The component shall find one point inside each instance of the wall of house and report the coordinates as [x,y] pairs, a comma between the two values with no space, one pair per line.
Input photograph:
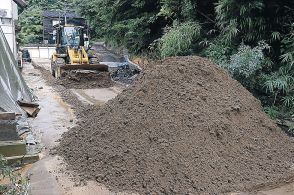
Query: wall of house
[48,30]
[8,16]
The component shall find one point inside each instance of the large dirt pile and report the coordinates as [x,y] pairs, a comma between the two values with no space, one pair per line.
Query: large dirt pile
[184,127]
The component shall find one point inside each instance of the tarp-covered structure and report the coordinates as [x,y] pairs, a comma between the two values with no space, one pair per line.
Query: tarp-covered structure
[12,84]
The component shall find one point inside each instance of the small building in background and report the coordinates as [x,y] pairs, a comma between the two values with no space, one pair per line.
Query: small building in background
[8,18]
[52,18]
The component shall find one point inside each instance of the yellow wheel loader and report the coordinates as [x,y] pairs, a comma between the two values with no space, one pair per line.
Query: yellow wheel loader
[70,51]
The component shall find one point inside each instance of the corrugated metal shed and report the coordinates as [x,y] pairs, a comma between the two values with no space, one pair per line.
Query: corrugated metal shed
[56,14]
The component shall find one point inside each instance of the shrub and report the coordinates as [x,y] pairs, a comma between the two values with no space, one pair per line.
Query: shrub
[219,52]
[17,185]
[272,111]
[178,40]
[280,85]
[244,65]
[247,61]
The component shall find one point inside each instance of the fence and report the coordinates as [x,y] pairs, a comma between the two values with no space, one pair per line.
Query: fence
[40,52]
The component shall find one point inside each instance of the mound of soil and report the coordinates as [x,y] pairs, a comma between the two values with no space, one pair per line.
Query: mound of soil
[184,127]
[85,80]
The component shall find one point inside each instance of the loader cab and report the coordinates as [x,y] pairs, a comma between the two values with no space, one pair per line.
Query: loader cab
[70,36]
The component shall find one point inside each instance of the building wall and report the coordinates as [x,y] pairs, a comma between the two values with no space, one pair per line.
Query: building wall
[8,16]
[48,30]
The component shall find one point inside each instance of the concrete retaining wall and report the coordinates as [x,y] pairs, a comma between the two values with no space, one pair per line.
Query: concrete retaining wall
[41,52]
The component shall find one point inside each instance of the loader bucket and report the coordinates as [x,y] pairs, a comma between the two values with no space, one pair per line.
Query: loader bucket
[100,67]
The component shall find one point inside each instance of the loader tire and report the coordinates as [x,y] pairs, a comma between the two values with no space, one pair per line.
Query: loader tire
[52,68]
[94,60]
[56,67]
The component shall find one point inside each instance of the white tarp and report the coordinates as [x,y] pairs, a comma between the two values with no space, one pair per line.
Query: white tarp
[12,84]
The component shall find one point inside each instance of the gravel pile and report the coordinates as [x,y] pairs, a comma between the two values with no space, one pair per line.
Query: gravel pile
[184,127]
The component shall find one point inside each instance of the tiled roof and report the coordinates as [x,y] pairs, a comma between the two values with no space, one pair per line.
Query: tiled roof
[55,14]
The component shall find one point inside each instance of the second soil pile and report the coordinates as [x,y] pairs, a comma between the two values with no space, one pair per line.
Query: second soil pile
[184,127]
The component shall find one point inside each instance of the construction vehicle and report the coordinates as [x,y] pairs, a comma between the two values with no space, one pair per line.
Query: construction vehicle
[71,53]
[26,57]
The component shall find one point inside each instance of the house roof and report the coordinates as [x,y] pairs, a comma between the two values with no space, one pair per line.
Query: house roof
[21,3]
[56,14]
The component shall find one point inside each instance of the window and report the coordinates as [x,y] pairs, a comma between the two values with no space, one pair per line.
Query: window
[71,36]
[6,21]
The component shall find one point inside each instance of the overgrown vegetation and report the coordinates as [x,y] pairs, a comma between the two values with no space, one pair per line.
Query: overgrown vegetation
[17,185]
[31,26]
[252,39]
[179,39]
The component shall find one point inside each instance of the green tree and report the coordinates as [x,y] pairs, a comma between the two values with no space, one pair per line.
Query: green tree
[31,19]
[133,24]
[31,25]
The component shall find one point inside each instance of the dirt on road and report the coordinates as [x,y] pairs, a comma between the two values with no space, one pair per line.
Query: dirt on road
[184,127]
[77,79]
[85,80]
